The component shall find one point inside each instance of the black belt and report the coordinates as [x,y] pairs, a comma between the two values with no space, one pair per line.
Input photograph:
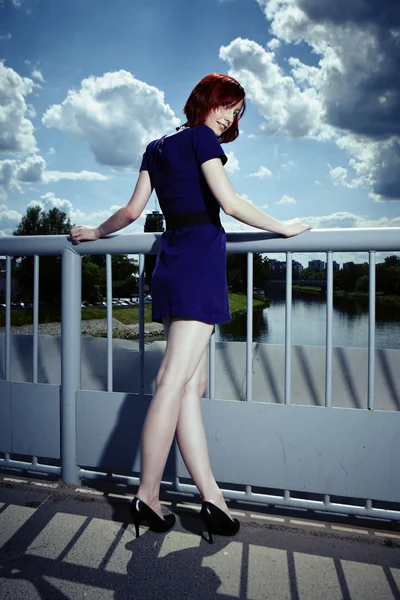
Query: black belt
[201,217]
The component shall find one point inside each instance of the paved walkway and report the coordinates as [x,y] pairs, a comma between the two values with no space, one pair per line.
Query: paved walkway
[59,543]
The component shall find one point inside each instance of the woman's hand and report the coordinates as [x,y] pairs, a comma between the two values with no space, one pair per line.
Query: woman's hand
[82,233]
[294,227]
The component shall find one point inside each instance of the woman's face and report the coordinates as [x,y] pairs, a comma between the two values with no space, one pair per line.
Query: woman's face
[221,118]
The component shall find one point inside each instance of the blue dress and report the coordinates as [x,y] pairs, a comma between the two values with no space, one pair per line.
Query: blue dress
[189,279]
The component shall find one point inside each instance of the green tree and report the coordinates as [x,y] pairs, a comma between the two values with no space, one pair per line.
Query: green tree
[388,275]
[93,279]
[236,271]
[124,277]
[37,221]
[346,279]
[362,284]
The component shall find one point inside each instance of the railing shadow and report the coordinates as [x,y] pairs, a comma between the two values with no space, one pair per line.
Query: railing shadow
[228,365]
[308,376]
[269,375]
[349,378]
[388,375]
[50,556]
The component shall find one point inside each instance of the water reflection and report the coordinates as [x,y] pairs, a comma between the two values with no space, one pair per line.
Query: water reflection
[236,329]
[350,322]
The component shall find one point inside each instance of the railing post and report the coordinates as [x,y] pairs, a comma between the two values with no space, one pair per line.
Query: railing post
[249,329]
[8,319]
[141,321]
[71,264]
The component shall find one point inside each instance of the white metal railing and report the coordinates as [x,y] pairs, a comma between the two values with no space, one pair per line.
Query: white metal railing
[329,241]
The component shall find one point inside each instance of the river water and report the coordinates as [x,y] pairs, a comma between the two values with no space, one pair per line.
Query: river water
[350,322]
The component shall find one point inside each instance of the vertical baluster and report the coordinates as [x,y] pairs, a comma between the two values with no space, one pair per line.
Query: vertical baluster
[35,317]
[288,329]
[249,330]
[329,316]
[211,367]
[8,318]
[110,383]
[371,332]
[141,321]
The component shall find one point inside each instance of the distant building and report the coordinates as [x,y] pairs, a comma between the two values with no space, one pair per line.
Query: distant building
[348,265]
[318,265]
[336,266]
[297,268]
[277,266]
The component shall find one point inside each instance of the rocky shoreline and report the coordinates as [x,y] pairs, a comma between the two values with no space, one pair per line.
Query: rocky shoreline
[93,328]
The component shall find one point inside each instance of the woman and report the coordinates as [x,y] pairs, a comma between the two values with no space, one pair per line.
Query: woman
[189,285]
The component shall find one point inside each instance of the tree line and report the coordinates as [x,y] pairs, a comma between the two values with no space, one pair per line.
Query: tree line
[37,221]
[355,277]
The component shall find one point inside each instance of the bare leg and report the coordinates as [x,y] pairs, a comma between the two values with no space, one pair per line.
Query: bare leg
[187,341]
[192,440]
[193,443]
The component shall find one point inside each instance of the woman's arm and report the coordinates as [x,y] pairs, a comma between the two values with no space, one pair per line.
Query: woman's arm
[242,210]
[120,219]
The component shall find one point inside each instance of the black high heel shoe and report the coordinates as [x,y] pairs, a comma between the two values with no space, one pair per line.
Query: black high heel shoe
[218,522]
[141,512]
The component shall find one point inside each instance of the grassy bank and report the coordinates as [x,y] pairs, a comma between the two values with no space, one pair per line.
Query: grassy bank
[127,316]
[309,289]
[380,297]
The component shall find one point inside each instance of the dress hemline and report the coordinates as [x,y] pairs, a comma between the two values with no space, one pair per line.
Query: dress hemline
[187,313]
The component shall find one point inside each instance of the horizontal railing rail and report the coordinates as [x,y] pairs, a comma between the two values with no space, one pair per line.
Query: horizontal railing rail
[316,240]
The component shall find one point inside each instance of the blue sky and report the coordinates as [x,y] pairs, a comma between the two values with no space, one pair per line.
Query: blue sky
[86,84]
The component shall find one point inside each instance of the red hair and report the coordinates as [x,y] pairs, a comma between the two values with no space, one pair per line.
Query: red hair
[210,93]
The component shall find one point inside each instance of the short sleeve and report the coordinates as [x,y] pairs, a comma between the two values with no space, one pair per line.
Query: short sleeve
[206,145]
[145,166]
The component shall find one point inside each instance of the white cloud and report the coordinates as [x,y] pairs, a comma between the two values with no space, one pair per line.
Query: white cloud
[274,44]
[16,131]
[50,200]
[14,172]
[236,226]
[286,200]
[37,74]
[116,114]
[5,37]
[9,219]
[262,173]
[338,176]
[232,166]
[349,220]
[287,165]
[288,108]
[354,80]
[51,176]
[10,214]
[51,150]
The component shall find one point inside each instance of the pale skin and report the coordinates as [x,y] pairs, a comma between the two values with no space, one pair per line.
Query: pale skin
[181,380]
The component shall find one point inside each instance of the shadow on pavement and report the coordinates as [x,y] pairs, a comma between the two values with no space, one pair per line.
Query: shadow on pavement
[60,547]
